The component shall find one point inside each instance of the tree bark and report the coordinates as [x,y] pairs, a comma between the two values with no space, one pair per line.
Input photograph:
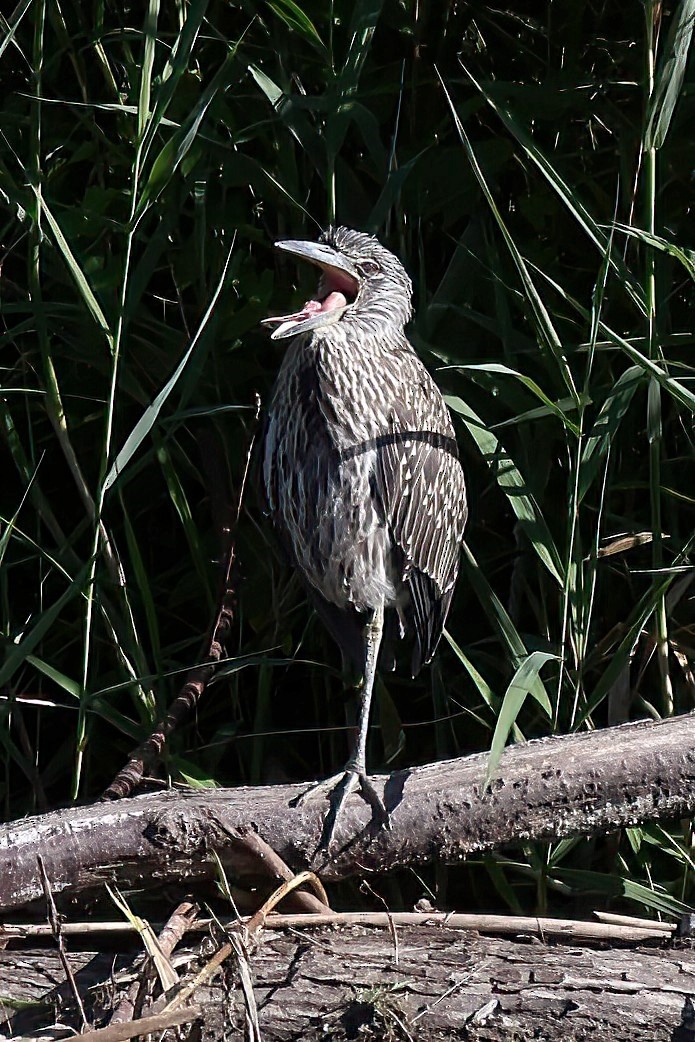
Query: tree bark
[418,983]
[546,789]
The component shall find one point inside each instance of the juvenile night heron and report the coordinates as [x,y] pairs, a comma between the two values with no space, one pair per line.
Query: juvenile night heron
[361,469]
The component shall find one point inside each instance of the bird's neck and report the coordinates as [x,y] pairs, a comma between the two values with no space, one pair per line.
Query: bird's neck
[357,343]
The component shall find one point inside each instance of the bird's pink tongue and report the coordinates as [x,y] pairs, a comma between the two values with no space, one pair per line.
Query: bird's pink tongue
[313,307]
[334,300]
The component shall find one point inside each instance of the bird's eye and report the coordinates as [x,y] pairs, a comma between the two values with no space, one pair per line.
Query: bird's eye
[368,267]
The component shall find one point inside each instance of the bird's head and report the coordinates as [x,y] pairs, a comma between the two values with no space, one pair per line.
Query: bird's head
[361,283]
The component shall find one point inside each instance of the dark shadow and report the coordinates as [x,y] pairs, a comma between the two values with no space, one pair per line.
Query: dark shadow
[57,1005]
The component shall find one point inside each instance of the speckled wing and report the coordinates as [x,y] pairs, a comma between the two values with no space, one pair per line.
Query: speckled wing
[421,486]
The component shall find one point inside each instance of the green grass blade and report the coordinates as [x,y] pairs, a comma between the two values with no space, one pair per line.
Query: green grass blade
[669,81]
[17,653]
[512,483]
[583,881]
[545,329]
[498,615]
[12,24]
[606,426]
[72,687]
[83,286]
[568,196]
[527,381]
[148,419]
[296,20]
[523,683]
[685,256]
[150,32]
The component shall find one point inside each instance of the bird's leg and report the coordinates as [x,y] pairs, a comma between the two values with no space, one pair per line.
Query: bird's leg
[354,775]
[357,763]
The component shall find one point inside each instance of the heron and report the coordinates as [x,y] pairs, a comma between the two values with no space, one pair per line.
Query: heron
[361,472]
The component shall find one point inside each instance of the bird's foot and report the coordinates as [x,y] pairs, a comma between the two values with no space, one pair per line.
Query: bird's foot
[337,789]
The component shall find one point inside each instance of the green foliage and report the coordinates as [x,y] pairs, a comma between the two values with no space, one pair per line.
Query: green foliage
[534,173]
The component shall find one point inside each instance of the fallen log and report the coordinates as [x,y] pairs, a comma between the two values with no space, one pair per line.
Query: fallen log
[546,789]
[412,983]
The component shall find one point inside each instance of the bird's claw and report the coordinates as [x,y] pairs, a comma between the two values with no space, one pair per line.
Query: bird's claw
[337,790]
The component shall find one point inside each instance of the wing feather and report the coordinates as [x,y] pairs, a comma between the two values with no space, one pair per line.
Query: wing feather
[421,486]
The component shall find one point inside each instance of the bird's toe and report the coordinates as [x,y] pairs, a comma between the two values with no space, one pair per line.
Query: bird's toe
[337,790]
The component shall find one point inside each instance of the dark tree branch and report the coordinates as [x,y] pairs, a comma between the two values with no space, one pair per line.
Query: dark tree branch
[547,789]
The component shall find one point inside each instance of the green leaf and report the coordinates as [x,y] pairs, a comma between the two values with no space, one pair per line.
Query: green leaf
[514,486]
[497,613]
[13,23]
[150,33]
[669,80]
[481,684]
[686,257]
[192,774]
[73,687]
[656,899]
[606,426]
[179,144]
[363,21]
[498,367]
[523,683]
[294,18]
[148,419]
[76,271]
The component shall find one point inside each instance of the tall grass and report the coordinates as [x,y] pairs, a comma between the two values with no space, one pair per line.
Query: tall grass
[535,178]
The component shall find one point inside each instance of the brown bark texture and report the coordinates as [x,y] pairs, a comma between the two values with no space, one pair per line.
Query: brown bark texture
[418,983]
[545,789]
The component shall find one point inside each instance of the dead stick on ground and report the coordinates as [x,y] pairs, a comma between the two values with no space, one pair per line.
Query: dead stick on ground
[627,929]
[54,921]
[537,926]
[149,752]
[173,930]
[144,1026]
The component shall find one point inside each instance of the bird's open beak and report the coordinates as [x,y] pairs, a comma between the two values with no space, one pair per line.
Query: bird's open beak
[338,288]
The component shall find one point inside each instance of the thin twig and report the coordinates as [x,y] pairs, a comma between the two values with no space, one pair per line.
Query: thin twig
[55,924]
[627,929]
[572,929]
[366,888]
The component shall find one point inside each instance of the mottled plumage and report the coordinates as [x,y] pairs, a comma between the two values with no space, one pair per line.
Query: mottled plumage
[360,462]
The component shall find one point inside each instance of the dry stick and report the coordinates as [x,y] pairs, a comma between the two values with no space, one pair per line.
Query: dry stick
[268,863]
[617,928]
[177,925]
[633,920]
[55,924]
[570,929]
[144,1026]
[149,752]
